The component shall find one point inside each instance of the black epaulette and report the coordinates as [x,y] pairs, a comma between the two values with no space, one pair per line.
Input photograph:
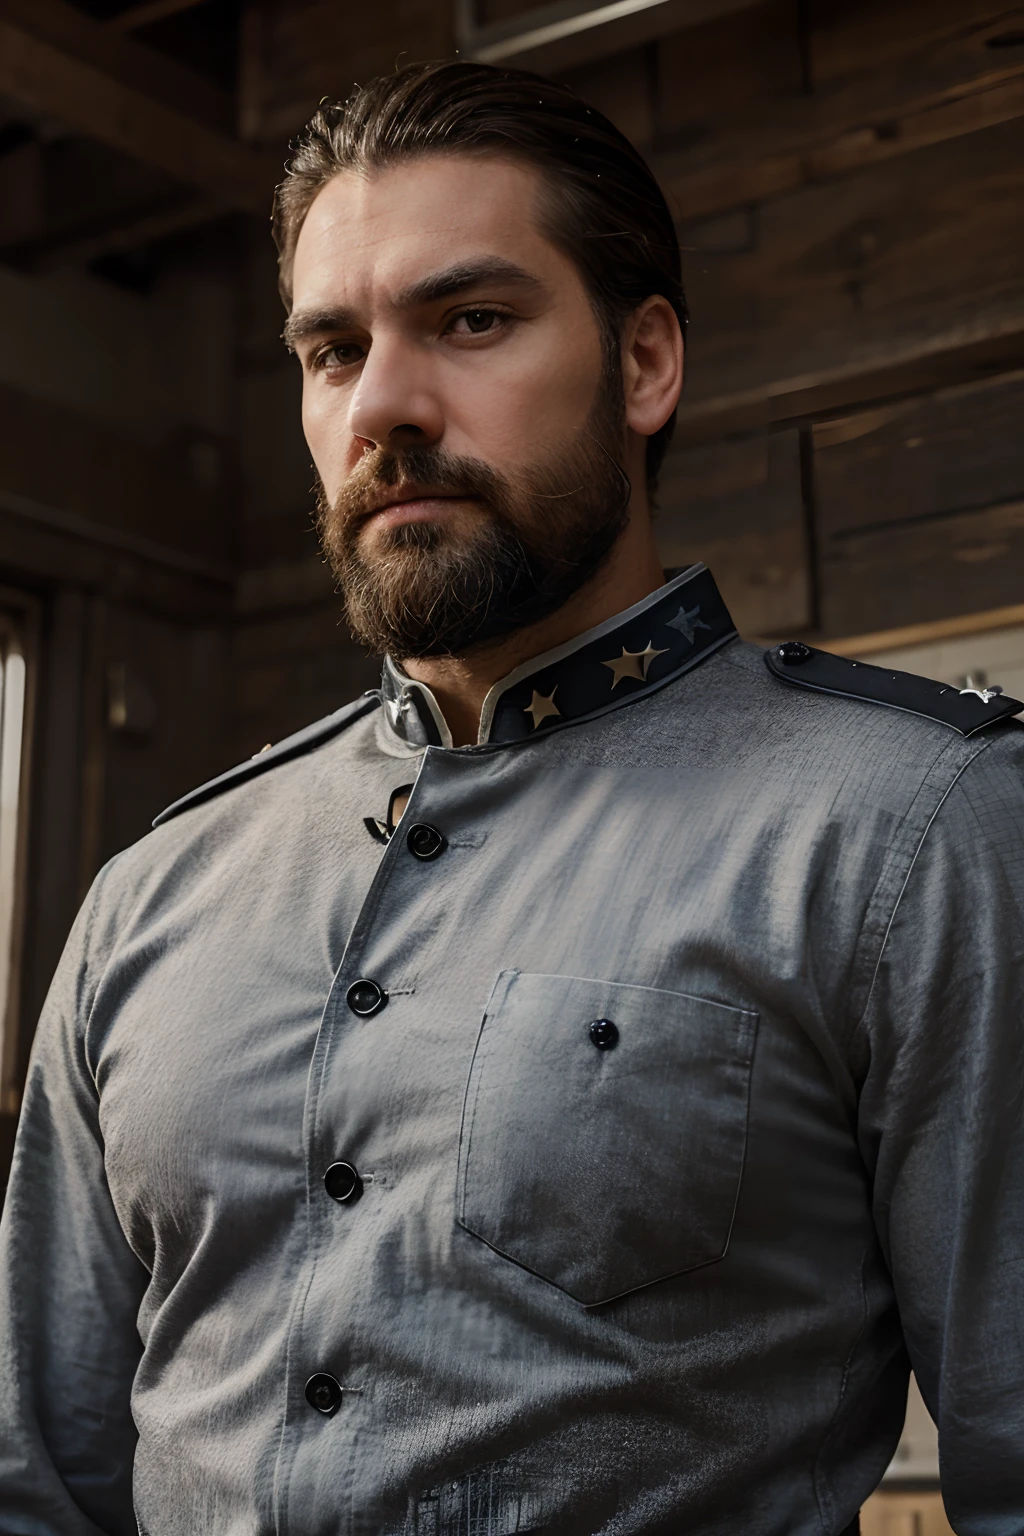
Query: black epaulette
[966,710]
[271,756]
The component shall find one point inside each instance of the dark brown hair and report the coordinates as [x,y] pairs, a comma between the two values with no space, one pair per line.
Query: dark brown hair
[607,212]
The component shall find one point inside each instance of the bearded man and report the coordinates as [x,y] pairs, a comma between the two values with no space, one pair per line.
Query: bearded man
[559,1091]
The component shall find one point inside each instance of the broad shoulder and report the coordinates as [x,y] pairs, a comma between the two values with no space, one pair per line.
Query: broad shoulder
[859,722]
[299,744]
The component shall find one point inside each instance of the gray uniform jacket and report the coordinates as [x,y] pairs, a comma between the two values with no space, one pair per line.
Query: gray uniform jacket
[587,1158]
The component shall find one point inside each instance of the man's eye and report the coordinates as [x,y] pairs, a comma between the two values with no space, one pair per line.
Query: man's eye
[478,321]
[341,355]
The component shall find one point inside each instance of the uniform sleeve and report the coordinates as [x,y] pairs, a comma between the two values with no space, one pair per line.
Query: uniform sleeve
[70,1290]
[941,1122]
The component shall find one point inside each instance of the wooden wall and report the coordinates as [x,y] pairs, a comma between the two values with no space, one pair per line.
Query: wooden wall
[117,513]
[848,179]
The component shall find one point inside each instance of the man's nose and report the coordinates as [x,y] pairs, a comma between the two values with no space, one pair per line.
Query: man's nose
[393,404]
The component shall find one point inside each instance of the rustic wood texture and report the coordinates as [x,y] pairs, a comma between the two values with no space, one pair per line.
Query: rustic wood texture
[890,1513]
[920,507]
[901,262]
[764,106]
[298,51]
[54,61]
[181,739]
[738,506]
[175,494]
[292,667]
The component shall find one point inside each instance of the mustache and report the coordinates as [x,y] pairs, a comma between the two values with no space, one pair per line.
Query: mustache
[430,467]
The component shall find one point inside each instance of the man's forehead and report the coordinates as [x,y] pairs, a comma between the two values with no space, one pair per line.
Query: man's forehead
[392,228]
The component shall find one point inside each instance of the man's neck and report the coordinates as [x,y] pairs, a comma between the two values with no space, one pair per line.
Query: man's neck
[460,684]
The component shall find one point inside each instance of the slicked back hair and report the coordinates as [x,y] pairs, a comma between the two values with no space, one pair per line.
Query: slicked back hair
[604,209]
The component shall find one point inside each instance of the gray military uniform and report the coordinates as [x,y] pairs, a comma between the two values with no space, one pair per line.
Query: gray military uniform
[665,1066]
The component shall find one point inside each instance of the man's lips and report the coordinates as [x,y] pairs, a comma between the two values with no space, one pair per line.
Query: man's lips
[414,505]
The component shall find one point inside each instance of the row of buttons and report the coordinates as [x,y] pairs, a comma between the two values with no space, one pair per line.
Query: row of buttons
[366,997]
[342,1181]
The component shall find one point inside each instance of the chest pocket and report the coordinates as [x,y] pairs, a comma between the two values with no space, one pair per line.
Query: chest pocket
[604,1131]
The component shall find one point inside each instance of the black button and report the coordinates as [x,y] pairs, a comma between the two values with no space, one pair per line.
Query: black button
[323,1393]
[342,1183]
[793,652]
[604,1034]
[425,842]
[366,997]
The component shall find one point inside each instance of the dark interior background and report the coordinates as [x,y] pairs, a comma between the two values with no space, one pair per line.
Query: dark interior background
[847,177]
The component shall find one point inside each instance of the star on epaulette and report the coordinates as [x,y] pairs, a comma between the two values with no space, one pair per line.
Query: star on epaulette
[967,710]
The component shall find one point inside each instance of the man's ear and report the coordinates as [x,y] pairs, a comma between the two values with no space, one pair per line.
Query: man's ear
[652,365]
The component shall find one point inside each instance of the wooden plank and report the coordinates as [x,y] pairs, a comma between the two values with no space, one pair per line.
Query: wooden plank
[931,633]
[568,33]
[844,286]
[296,52]
[757,140]
[73,32]
[183,671]
[51,456]
[148,12]
[35,71]
[620,88]
[274,698]
[879,578]
[128,235]
[959,450]
[888,1513]
[714,79]
[738,506]
[920,507]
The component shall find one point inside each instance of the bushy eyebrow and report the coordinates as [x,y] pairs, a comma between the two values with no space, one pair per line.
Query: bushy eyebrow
[446,284]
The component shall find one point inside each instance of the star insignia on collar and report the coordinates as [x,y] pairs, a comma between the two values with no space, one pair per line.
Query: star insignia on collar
[632,664]
[687,623]
[541,708]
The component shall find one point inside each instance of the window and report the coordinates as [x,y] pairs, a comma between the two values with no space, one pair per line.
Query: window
[16,633]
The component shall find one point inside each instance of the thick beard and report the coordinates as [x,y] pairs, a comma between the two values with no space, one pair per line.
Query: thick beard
[429,591]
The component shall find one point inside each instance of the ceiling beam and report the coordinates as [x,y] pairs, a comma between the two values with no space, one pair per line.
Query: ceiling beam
[61,81]
[568,33]
[150,11]
[93,42]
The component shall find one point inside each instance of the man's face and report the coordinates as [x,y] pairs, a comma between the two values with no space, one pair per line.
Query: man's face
[464,419]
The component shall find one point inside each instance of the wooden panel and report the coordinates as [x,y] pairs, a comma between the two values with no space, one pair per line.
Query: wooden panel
[623,89]
[60,80]
[54,456]
[877,579]
[959,450]
[711,73]
[905,261]
[68,28]
[39,552]
[738,507]
[289,672]
[880,91]
[853,38]
[904,1514]
[920,507]
[181,735]
[298,51]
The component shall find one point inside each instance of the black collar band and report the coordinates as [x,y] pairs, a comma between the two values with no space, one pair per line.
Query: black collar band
[623,659]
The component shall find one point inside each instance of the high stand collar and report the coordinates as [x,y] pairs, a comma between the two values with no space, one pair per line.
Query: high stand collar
[623,659]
